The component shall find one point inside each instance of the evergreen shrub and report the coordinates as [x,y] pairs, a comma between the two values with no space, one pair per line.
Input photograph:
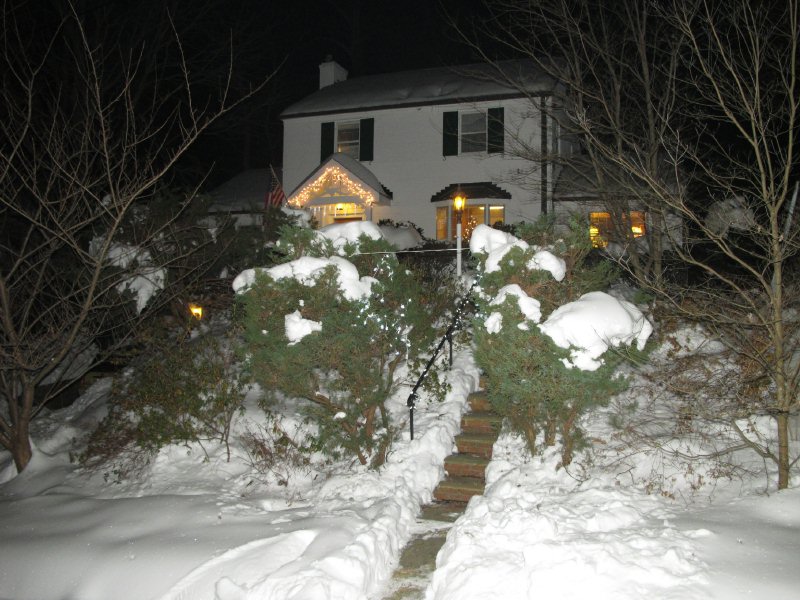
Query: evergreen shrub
[345,371]
[189,391]
[529,383]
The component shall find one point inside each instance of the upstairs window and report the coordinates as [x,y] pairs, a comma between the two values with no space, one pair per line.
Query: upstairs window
[473,131]
[354,138]
[348,138]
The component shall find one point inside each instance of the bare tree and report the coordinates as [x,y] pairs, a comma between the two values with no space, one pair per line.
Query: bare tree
[80,160]
[681,106]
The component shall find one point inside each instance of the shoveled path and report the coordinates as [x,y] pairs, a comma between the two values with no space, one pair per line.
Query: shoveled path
[418,560]
[465,478]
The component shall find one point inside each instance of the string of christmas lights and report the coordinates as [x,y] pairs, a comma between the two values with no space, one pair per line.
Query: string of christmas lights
[332,176]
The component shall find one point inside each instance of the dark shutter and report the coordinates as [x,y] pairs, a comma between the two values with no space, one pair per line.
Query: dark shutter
[450,133]
[326,141]
[366,140]
[495,130]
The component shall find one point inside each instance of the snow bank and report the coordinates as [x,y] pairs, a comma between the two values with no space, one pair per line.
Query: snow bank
[538,532]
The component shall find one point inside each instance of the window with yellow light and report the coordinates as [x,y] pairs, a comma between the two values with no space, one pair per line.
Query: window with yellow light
[602,230]
[472,215]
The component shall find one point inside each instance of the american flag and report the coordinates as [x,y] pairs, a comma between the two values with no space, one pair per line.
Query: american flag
[275,196]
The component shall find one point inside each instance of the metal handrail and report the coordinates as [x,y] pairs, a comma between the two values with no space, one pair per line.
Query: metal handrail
[411,403]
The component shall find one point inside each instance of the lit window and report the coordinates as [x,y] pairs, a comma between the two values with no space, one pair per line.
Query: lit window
[497,215]
[341,212]
[472,216]
[473,132]
[348,138]
[602,228]
[441,222]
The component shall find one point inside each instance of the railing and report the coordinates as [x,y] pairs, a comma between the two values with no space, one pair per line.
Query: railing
[448,337]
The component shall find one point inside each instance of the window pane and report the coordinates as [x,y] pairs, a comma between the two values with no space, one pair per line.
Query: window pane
[441,223]
[638,227]
[473,132]
[497,215]
[347,138]
[473,122]
[348,134]
[599,229]
[473,216]
[602,230]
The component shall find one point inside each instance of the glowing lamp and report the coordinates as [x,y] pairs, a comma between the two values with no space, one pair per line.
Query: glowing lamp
[196,310]
[458,206]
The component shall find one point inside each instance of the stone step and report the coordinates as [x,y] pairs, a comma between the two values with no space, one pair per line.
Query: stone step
[479,401]
[479,444]
[458,489]
[465,465]
[481,422]
[443,512]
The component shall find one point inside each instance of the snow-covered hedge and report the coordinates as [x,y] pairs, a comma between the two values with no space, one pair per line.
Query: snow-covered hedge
[544,329]
[332,325]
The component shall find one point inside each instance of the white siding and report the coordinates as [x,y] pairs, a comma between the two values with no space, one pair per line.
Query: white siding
[408,158]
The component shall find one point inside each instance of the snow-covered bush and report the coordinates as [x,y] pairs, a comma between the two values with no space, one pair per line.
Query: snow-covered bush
[238,246]
[187,392]
[543,377]
[317,330]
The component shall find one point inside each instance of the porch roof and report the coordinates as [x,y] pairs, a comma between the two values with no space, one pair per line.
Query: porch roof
[477,189]
[340,178]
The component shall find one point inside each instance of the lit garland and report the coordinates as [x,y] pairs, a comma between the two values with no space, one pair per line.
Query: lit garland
[333,175]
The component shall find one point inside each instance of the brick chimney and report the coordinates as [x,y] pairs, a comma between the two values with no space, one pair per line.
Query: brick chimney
[331,72]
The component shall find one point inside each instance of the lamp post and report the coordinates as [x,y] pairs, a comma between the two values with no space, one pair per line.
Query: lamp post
[458,206]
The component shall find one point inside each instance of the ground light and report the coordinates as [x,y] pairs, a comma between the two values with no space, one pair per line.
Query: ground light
[196,310]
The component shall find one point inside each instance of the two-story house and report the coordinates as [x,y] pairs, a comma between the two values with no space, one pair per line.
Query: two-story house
[402,145]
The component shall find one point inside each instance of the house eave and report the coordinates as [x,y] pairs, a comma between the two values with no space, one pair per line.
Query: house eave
[416,104]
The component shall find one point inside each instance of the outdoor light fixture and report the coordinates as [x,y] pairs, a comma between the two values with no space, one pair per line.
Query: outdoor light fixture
[458,206]
[196,310]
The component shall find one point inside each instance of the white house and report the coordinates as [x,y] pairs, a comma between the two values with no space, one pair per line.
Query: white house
[401,146]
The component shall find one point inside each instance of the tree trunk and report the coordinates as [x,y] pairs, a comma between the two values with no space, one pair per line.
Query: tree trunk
[783,451]
[20,441]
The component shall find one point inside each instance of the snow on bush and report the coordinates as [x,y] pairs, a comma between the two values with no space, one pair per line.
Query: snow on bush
[317,330]
[144,278]
[593,324]
[543,377]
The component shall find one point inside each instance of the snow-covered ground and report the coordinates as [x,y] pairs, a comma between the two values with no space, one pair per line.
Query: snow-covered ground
[622,522]
[197,527]
[205,528]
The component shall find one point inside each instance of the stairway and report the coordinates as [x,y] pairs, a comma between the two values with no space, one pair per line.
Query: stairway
[466,469]
[465,478]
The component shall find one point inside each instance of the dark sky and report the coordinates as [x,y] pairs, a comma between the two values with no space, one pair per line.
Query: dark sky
[364,36]
[286,38]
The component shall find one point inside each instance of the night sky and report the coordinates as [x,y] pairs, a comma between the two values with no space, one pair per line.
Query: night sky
[286,39]
[364,36]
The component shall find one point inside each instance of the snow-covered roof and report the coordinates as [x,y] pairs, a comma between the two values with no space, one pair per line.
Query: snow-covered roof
[244,192]
[443,85]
